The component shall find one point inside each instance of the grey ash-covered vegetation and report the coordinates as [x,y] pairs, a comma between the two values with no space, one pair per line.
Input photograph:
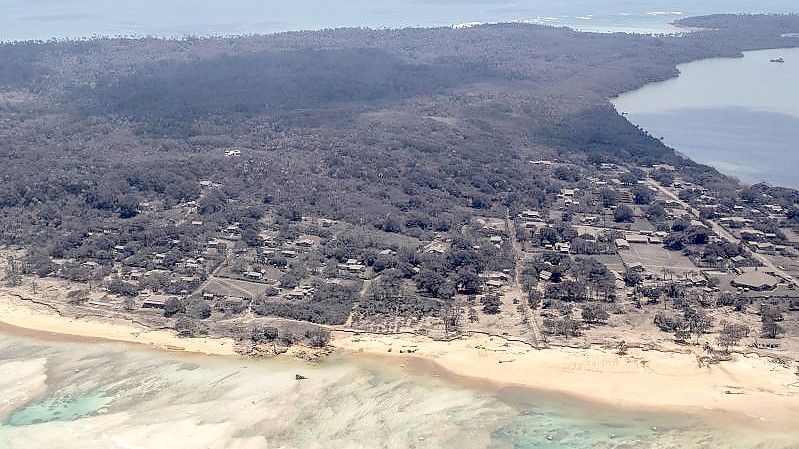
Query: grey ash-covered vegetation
[192,160]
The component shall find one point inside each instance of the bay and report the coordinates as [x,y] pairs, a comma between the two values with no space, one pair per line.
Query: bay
[739,115]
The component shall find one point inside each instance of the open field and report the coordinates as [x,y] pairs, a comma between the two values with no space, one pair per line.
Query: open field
[656,259]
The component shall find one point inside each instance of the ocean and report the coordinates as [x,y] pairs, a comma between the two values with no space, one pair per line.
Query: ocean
[69,394]
[48,19]
[739,115]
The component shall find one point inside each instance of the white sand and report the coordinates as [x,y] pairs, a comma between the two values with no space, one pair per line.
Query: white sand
[28,315]
[750,386]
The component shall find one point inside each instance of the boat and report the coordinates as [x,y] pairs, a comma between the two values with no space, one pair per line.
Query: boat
[777,60]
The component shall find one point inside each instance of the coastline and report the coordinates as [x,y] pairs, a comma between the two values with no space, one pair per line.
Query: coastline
[35,317]
[749,387]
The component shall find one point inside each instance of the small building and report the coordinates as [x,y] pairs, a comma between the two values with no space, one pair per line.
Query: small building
[254,275]
[756,280]
[622,244]
[304,243]
[436,247]
[697,279]
[637,238]
[530,215]
[590,219]
[153,304]
[352,266]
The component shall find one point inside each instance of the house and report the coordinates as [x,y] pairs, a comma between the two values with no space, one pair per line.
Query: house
[756,280]
[352,266]
[752,234]
[734,222]
[153,304]
[495,276]
[697,279]
[436,247]
[637,238]
[545,275]
[590,219]
[563,247]
[232,153]
[622,244]
[304,243]
[530,215]
[254,275]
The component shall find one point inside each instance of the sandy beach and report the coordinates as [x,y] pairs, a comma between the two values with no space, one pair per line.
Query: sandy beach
[749,386]
[32,316]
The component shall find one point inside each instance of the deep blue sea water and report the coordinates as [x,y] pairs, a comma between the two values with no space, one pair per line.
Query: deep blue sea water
[45,19]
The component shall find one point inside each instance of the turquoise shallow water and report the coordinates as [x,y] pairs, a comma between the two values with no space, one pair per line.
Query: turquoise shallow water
[44,19]
[72,395]
[59,408]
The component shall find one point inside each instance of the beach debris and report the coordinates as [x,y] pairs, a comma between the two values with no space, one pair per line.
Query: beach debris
[549,437]
[299,377]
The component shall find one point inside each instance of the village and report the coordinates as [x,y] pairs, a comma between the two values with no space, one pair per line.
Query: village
[619,254]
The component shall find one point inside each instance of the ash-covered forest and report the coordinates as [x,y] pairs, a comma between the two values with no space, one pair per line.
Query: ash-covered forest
[121,155]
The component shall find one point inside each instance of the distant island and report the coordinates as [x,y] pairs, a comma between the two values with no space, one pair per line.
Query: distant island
[444,193]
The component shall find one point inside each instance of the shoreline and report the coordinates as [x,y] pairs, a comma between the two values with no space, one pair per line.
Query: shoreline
[30,316]
[633,106]
[750,387]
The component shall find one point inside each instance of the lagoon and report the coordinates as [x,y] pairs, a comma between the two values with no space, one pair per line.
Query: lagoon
[739,115]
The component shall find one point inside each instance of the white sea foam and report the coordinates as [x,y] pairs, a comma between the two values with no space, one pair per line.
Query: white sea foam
[467,25]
